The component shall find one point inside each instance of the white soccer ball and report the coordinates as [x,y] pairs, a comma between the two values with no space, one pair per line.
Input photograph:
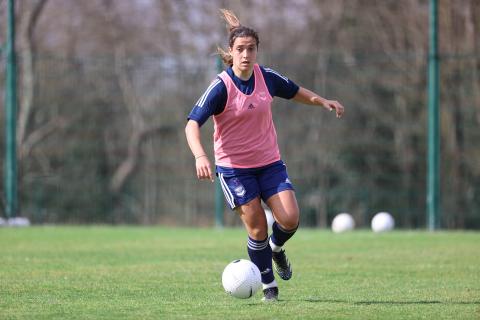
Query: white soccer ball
[241,279]
[18,222]
[382,221]
[343,222]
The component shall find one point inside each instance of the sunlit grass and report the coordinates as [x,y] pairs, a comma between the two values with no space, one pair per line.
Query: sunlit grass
[161,273]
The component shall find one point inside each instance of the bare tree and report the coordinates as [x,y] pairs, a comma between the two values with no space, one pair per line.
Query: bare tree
[30,15]
[106,86]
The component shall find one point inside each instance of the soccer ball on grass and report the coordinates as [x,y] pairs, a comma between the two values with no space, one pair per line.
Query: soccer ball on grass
[241,279]
[343,222]
[382,222]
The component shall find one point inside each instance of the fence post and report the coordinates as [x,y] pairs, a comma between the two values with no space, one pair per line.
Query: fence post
[433,178]
[10,116]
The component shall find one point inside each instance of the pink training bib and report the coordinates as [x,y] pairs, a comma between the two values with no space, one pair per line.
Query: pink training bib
[245,136]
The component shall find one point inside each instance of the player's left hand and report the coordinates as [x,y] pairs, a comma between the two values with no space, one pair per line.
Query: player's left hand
[334,105]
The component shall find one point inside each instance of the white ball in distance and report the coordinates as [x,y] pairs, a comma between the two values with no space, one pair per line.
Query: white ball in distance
[270,218]
[343,222]
[382,222]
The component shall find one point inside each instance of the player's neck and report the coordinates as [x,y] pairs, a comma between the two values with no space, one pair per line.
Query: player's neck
[242,74]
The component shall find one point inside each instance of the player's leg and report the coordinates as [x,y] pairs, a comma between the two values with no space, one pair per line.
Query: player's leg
[259,250]
[253,217]
[242,192]
[285,210]
[278,193]
[286,213]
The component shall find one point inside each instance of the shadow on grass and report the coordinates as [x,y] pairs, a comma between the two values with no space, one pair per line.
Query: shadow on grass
[386,302]
[367,303]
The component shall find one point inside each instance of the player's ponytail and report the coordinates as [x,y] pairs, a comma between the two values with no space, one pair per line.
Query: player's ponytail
[236,30]
[231,19]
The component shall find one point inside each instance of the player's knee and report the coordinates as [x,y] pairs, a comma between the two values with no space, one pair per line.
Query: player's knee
[258,232]
[291,220]
[291,225]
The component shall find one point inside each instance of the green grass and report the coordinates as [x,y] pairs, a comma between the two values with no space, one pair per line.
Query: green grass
[160,273]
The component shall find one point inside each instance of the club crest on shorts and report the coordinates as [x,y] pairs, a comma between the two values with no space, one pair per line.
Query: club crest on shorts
[238,187]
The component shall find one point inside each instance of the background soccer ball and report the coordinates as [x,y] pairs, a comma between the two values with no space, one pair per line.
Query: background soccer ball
[270,218]
[343,222]
[382,221]
[241,279]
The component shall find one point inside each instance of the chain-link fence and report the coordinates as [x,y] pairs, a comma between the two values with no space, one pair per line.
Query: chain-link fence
[105,142]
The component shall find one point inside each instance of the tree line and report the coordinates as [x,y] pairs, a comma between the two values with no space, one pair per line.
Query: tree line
[105,87]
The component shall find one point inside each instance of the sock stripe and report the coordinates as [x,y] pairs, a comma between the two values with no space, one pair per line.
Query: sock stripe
[257,245]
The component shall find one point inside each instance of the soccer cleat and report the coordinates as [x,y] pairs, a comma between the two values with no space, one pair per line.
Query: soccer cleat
[282,265]
[270,294]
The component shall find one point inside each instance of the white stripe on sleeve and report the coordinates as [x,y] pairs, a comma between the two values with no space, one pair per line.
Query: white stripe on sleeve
[202,99]
[276,73]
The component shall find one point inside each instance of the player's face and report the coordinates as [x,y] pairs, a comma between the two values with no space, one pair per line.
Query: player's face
[244,53]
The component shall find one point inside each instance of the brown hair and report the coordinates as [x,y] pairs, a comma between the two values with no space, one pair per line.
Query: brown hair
[236,30]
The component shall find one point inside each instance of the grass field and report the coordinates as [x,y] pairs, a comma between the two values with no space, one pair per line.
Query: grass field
[160,273]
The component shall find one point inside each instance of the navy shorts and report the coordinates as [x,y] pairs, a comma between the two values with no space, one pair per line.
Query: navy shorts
[240,186]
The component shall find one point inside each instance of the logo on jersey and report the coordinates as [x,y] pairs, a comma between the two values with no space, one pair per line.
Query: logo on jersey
[262,95]
[238,188]
[287,181]
[251,106]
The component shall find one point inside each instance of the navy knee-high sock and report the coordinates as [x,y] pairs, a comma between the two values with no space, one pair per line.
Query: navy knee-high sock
[280,236]
[260,253]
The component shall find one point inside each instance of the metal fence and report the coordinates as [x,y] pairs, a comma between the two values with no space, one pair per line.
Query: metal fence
[105,139]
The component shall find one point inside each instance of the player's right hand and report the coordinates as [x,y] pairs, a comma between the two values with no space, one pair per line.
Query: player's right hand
[204,171]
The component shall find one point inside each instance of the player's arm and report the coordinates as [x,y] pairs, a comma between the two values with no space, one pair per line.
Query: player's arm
[280,86]
[212,102]
[306,96]
[202,164]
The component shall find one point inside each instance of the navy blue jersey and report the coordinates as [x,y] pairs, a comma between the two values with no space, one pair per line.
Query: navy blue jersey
[213,101]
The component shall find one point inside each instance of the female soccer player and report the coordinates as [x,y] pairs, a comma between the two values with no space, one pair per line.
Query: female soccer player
[247,156]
